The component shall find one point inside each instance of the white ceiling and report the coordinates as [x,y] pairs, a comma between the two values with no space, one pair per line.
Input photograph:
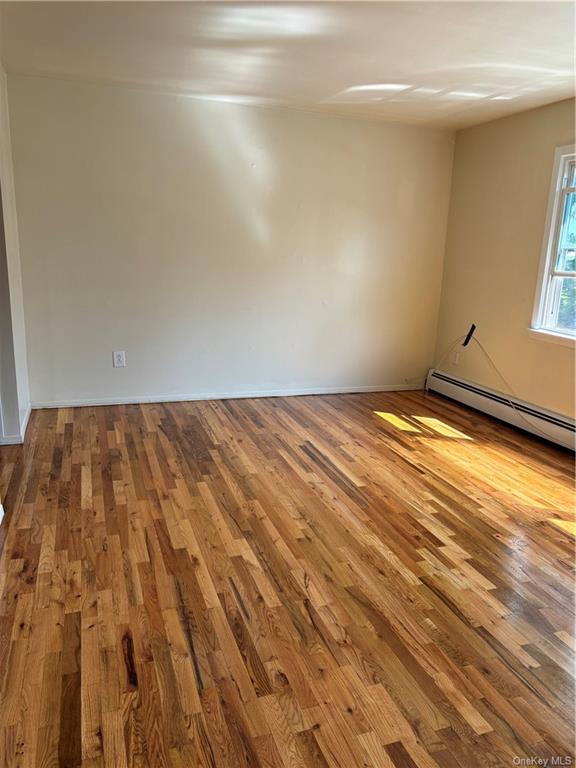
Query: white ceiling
[439,63]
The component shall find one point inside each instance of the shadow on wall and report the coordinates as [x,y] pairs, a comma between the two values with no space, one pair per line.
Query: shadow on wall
[225,248]
[340,249]
[245,262]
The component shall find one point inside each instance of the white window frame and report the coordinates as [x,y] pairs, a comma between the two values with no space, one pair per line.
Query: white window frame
[547,271]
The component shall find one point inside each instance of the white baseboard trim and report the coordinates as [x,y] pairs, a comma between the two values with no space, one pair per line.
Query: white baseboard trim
[24,420]
[18,439]
[141,399]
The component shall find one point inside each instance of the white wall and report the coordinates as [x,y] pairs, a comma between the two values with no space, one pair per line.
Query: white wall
[14,386]
[226,249]
[500,188]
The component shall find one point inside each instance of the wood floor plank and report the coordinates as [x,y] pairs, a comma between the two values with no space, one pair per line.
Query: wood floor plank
[377,580]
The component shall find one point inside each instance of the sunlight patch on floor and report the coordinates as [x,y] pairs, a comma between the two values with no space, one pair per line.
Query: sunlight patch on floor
[397,422]
[566,525]
[441,427]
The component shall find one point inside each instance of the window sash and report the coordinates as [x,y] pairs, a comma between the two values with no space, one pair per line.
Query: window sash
[551,279]
[553,305]
[557,246]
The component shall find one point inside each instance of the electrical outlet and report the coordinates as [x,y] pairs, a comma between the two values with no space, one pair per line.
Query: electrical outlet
[456,358]
[119,359]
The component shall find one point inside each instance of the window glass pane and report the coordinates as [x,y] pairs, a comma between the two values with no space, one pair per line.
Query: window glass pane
[562,305]
[566,261]
[570,177]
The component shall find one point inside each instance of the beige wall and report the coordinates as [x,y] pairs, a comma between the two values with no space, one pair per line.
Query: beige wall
[501,182]
[226,249]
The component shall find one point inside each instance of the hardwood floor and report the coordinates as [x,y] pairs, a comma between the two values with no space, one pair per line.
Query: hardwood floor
[359,580]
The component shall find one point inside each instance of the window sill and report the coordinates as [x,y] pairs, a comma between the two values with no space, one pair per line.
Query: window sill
[555,338]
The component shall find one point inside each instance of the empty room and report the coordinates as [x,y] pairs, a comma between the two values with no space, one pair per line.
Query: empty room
[287,384]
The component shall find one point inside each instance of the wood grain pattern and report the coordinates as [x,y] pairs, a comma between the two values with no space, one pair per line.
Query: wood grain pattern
[359,580]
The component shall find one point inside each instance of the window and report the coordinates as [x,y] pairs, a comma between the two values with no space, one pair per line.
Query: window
[555,310]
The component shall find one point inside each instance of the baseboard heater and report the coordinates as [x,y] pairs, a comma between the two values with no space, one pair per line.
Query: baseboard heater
[557,428]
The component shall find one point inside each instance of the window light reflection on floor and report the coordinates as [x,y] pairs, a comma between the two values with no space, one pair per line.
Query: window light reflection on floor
[436,425]
[565,525]
[441,427]
[397,422]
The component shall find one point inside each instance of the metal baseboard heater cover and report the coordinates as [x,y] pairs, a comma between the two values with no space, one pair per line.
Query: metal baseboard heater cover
[557,428]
